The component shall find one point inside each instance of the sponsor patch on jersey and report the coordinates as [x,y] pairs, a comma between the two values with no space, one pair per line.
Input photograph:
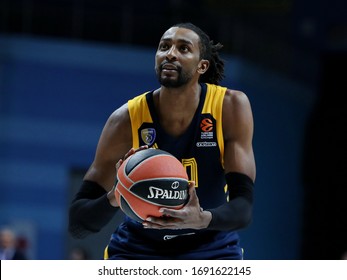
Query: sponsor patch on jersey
[148,136]
[206,144]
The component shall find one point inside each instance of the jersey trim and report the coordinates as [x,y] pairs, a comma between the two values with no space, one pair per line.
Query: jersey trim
[214,106]
[138,111]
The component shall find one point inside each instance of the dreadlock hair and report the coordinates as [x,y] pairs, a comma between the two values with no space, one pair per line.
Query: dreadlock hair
[208,51]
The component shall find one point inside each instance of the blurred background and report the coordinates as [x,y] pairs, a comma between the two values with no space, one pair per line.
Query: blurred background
[65,65]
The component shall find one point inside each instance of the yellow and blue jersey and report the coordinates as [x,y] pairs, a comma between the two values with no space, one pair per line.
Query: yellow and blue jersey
[201,150]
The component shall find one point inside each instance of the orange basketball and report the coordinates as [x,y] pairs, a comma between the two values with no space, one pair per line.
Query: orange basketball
[148,180]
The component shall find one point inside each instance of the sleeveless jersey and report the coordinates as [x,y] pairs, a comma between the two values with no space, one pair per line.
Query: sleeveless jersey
[200,149]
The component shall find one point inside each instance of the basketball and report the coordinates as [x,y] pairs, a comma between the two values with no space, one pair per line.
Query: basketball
[149,180]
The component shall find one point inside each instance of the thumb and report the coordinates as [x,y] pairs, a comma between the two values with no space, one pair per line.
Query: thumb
[193,198]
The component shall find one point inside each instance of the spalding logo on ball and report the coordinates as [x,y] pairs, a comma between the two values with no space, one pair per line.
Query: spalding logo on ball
[149,180]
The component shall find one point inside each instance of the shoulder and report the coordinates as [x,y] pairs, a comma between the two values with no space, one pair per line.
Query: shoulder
[139,99]
[119,116]
[236,103]
[117,128]
[236,99]
[231,97]
[237,112]
[120,113]
[120,119]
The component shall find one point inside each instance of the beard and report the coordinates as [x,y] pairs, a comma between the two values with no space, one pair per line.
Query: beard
[169,82]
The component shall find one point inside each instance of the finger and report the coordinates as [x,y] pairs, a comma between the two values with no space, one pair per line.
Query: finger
[179,213]
[160,223]
[133,151]
[148,225]
[118,164]
[144,147]
[172,213]
[192,191]
[129,153]
[193,198]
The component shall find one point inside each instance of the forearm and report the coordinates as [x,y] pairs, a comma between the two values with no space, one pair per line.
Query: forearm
[237,212]
[90,211]
[232,215]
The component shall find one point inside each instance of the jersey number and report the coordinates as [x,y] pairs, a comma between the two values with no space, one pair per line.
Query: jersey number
[192,169]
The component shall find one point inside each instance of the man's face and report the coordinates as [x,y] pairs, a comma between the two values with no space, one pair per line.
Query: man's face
[178,57]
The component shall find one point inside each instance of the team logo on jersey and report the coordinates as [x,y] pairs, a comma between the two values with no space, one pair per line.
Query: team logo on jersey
[148,136]
[206,125]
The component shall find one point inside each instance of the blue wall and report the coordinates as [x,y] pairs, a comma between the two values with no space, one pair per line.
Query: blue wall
[55,97]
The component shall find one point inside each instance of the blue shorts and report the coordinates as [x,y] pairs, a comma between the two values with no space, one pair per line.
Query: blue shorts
[126,244]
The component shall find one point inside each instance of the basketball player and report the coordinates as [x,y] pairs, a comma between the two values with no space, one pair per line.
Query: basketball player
[207,127]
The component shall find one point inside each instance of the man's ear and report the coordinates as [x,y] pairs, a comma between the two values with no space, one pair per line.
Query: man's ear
[203,66]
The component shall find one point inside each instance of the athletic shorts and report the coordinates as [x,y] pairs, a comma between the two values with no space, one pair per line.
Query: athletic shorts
[208,245]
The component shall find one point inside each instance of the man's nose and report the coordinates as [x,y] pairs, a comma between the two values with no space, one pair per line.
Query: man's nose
[171,53]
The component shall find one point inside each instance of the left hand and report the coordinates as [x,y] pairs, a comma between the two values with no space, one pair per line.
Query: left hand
[190,216]
[110,195]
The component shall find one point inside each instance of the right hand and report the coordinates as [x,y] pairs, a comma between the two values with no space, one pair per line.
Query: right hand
[128,154]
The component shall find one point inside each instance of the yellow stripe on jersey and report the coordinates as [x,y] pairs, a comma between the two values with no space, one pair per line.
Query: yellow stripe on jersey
[213,105]
[106,253]
[139,113]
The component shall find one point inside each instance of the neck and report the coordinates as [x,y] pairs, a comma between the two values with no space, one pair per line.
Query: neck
[176,107]
[181,96]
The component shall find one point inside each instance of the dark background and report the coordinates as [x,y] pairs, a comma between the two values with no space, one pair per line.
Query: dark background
[66,65]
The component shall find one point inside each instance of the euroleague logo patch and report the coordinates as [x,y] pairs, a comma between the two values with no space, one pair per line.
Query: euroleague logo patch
[207,133]
[206,125]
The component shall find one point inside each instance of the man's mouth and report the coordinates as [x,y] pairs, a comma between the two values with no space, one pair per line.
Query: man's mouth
[169,67]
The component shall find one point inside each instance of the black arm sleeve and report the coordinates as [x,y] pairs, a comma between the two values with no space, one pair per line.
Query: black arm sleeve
[237,212]
[90,210]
